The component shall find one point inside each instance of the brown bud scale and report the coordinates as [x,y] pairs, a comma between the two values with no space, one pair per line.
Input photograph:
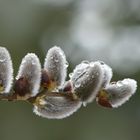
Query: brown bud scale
[103,99]
[21,87]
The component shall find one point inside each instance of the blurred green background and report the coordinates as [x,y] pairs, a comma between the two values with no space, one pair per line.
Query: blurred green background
[106,30]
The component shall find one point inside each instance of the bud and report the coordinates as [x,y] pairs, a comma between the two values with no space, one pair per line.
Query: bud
[67,87]
[56,106]
[107,74]
[6,71]
[56,65]
[46,81]
[103,99]
[116,94]
[29,76]
[22,87]
[87,80]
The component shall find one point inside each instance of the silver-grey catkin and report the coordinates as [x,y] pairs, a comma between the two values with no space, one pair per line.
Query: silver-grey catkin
[6,70]
[56,65]
[30,68]
[87,80]
[121,91]
[56,107]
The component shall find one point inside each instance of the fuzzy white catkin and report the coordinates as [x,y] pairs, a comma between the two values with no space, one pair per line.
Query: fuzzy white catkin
[121,91]
[56,65]
[56,107]
[87,80]
[6,70]
[31,69]
[107,74]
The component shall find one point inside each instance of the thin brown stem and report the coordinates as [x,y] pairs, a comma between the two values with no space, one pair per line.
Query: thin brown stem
[9,97]
[13,97]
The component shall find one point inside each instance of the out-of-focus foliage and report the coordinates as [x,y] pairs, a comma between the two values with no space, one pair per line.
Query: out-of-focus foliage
[106,30]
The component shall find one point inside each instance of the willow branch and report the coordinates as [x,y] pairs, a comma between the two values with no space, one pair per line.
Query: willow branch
[13,97]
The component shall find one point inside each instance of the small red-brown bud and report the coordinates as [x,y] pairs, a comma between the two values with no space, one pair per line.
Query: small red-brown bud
[45,79]
[21,87]
[103,99]
[67,87]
